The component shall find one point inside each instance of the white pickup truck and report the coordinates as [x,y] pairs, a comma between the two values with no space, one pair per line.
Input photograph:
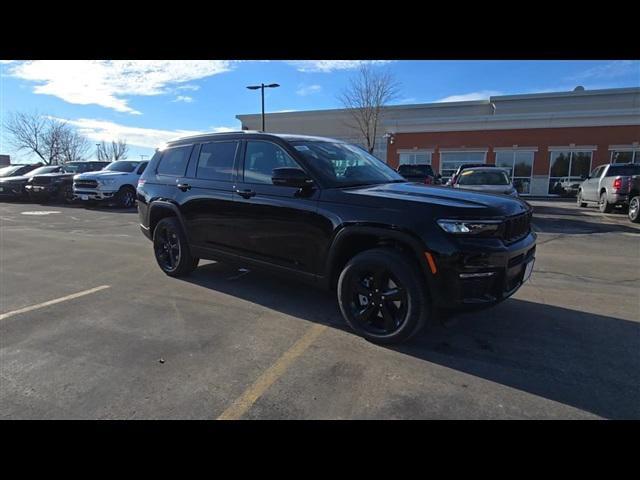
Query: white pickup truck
[115,183]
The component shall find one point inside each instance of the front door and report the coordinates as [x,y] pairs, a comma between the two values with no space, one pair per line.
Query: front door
[276,224]
[590,186]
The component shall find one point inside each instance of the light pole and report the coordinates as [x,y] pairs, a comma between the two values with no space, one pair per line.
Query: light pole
[98,151]
[262,86]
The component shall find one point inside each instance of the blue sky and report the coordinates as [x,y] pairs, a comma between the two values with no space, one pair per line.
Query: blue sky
[148,102]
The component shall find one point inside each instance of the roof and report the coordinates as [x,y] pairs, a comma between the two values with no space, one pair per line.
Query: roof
[253,133]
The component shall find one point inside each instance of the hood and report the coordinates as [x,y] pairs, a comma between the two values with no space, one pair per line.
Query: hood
[99,174]
[457,202]
[54,175]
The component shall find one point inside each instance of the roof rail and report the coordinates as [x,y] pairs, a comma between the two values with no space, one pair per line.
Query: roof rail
[207,134]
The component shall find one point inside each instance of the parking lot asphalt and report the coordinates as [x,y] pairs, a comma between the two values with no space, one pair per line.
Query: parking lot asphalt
[225,343]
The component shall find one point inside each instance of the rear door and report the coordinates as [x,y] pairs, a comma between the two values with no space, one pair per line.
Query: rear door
[273,223]
[207,204]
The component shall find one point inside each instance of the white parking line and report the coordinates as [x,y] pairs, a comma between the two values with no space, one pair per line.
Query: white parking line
[53,302]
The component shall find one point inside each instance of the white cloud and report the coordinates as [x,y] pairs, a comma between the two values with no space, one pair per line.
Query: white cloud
[327,66]
[308,90]
[188,87]
[98,130]
[614,69]
[466,97]
[183,98]
[106,82]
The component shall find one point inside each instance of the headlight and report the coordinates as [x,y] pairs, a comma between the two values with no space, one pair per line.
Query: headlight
[106,181]
[470,227]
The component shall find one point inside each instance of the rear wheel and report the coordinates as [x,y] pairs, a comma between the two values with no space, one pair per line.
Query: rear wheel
[171,248]
[634,209]
[603,205]
[126,197]
[579,201]
[382,296]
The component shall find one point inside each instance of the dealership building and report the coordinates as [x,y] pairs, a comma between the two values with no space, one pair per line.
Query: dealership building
[544,140]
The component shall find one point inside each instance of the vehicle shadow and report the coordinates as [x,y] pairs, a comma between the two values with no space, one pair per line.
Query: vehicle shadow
[587,361]
[569,226]
[105,208]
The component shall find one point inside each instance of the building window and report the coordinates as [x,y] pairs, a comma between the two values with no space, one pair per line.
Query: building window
[625,156]
[519,163]
[415,158]
[566,168]
[450,161]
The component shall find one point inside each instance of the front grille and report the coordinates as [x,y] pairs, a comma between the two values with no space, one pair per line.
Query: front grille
[85,184]
[515,228]
[41,180]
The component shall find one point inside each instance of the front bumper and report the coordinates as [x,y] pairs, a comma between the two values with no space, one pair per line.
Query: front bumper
[618,198]
[11,191]
[42,191]
[482,275]
[85,194]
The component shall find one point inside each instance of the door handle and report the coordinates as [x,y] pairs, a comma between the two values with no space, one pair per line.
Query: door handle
[246,193]
[184,186]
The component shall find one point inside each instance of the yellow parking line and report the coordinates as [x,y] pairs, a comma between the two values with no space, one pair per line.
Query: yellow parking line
[53,302]
[262,384]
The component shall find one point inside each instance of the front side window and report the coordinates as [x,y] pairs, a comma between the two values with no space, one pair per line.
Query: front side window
[216,161]
[174,161]
[343,164]
[260,160]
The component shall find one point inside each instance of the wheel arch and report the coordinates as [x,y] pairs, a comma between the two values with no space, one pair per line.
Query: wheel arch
[352,240]
[160,209]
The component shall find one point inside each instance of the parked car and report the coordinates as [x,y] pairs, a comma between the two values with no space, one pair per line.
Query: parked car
[17,169]
[485,179]
[59,186]
[569,186]
[634,199]
[393,250]
[117,183]
[13,186]
[608,185]
[455,176]
[422,173]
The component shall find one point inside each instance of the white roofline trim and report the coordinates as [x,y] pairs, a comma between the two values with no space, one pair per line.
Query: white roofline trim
[572,148]
[415,150]
[515,148]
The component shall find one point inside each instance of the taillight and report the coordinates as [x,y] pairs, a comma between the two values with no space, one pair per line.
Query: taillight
[428,181]
[140,183]
[617,184]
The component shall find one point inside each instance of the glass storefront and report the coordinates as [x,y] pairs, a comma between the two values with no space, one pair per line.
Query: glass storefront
[566,169]
[625,156]
[450,161]
[519,163]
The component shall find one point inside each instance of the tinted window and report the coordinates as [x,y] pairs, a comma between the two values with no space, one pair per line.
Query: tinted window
[625,171]
[216,161]
[142,167]
[415,170]
[260,160]
[174,161]
[9,171]
[122,166]
[41,170]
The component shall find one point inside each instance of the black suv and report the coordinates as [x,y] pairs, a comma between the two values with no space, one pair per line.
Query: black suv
[59,185]
[327,211]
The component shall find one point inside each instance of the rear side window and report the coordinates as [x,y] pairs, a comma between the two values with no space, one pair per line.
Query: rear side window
[216,161]
[624,171]
[174,161]
[141,168]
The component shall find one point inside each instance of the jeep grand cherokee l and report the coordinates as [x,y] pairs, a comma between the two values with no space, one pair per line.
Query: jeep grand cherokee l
[328,212]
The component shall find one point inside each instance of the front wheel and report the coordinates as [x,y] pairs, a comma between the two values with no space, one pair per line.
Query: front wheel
[382,296]
[634,209]
[579,201]
[171,248]
[126,197]
[604,205]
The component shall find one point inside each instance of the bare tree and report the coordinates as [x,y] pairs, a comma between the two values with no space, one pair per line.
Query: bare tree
[110,152]
[50,139]
[368,92]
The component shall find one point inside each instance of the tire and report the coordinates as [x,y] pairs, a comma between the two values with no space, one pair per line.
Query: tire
[579,201]
[66,195]
[634,209]
[126,197]
[171,248]
[361,285]
[603,205]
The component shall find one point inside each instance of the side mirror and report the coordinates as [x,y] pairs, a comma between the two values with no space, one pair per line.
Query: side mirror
[290,177]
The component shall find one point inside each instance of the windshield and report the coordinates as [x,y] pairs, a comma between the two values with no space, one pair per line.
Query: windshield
[415,170]
[8,171]
[41,170]
[344,165]
[76,168]
[483,177]
[122,166]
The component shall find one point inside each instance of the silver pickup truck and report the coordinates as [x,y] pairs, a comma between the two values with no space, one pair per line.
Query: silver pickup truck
[610,185]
